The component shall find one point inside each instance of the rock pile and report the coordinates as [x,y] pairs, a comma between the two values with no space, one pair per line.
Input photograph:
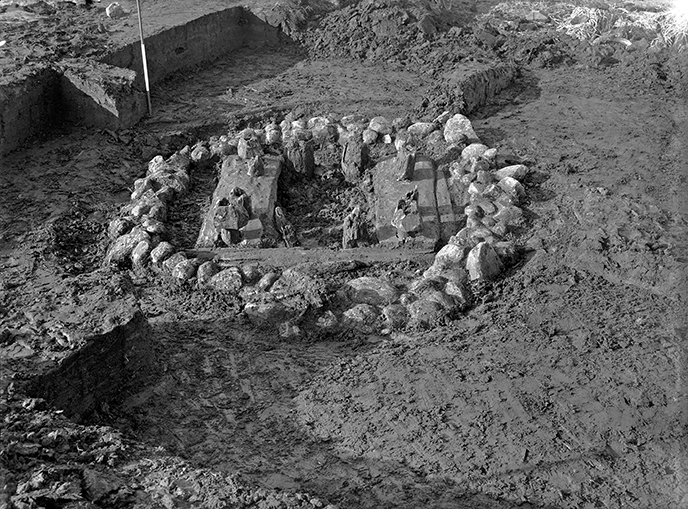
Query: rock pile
[140,235]
[478,215]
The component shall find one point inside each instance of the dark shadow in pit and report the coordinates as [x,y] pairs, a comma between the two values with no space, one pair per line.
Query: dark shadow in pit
[225,401]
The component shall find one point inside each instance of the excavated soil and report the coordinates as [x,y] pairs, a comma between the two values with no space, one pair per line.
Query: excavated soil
[563,386]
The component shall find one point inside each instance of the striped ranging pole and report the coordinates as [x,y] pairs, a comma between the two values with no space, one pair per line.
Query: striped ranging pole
[143,57]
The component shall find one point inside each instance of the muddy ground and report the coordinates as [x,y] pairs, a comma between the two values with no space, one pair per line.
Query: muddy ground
[564,385]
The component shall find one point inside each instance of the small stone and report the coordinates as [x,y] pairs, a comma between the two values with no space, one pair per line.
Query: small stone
[266,313]
[161,252]
[489,155]
[444,300]
[206,271]
[478,165]
[141,253]
[476,189]
[288,330]
[227,280]
[255,167]
[509,215]
[302,134]
[154,227]
[485,177]
[380,125]
[299,124]
[251,272]
[200,154]
[122,248]
[158,212]
[460,293]
[172,261]
[328,320]
[273,135]
[506,251]
[300,155]
[267,281]
[396,316]
[405,299]
[362,317]
[387,139]
[450,256]
[512,187]
[119,226]
[492,192]
[424,312]
[483,262]
[115,11]
[371,290]
[401,123]
[515,171]
[474,150]
[369,136]
[185,270]
[459,129]
[249,148]
[422,129]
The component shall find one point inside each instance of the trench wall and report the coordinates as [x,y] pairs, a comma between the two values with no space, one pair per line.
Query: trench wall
[99,372]
[110,93]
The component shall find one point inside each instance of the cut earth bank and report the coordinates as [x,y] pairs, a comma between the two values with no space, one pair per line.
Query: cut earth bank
[560,385]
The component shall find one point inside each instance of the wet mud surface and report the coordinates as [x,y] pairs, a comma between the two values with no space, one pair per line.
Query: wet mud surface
[563,385]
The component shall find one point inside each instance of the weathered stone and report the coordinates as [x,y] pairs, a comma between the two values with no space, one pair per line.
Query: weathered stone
[353,120]
[354,158]
[119,226]
[471,237]
[369,136]
[401,123]
[249,148]
[206,271]
[161,252]
[173,261]
[255,167]
[474,150]
[489,155]
[485,177]
[328,320]
[459,292]
[441,298]
[424,312]
[300,282]
[300,155]
[506,250]
[380,125]
[200,154]
[229,280]
[261,196]
[483,262]
[122,248]
[476,189]
[289,330]
[267,281]
[450,256]
[362,317]
[459,129]
[251,272]
[157,212]
[395,205]
[509,215]
[513,188]
[302,135]
[371,290]
[266,313]
[115,11]
[396,316]
[515,171]
[273,134]
[155,227]
[353,229]
[185,270]
[405,162]
[141,253]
